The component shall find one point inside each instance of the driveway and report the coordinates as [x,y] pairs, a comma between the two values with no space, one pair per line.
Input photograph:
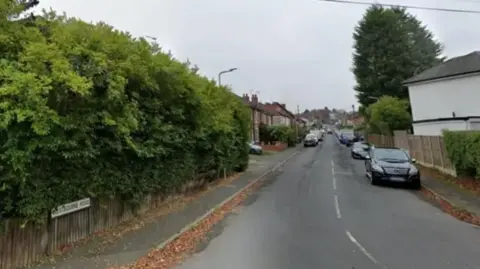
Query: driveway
[322,212]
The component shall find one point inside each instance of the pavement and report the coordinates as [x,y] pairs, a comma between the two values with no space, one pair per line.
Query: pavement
[461,199]
[322,212]
[137,243]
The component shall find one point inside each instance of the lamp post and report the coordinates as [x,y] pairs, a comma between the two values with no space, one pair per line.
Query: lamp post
[223,72]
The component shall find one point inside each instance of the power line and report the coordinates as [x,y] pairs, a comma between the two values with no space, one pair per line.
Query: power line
[403,6]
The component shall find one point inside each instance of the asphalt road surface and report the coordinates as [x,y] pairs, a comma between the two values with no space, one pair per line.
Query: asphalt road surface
[322,213]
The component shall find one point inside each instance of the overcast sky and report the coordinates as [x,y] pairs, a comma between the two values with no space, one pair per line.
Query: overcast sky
[297,52]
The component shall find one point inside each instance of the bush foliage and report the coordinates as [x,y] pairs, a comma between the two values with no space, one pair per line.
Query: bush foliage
[463,149]
[389,114]
[277,133]
[89,111]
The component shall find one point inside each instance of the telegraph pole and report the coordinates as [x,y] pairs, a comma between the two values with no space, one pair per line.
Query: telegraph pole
[296,121]
[353,115]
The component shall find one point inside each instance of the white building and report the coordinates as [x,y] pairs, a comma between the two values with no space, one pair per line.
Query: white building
[446,96]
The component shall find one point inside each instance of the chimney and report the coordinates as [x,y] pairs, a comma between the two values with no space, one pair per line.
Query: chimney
[246,98]
[254,99]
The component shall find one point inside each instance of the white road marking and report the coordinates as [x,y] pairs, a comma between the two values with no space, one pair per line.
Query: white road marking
[334,183]
[337,208]
[362,249]
[343,173]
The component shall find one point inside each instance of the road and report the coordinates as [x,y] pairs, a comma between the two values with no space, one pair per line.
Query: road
[322,213]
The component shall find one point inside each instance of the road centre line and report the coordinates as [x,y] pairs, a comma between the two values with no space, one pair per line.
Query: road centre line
[334,182]
[337,207]
[362,249]
[343,173]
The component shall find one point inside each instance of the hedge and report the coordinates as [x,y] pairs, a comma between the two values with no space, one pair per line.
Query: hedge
[89,111]
[278,133]
[463,149]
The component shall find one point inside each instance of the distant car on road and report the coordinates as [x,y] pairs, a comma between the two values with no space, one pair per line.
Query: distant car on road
[359,150]
[255,148]
[391,164]
[311,140]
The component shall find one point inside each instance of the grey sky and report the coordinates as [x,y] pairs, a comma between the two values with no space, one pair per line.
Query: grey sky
[296,52]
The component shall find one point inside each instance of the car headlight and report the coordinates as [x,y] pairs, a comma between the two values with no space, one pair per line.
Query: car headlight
[413,171]
[377,168]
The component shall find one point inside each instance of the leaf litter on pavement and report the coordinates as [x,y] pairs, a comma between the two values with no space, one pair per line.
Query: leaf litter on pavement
[180,248]
[99,241]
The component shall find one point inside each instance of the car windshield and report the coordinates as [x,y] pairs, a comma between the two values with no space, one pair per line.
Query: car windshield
[391,155]
[310,136]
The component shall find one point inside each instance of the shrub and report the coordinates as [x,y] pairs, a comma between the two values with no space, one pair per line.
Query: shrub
[389,114]
[463,149]
[88,111]
[278,133]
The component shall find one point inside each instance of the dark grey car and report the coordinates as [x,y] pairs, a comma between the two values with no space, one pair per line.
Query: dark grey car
[391,164]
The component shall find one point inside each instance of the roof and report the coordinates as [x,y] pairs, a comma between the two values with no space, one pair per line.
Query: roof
[283,112]
[258,106]
[462,65]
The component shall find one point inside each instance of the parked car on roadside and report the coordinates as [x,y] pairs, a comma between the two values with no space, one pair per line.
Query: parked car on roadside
[359,150]
[255,148]
[391,165]
[311,140]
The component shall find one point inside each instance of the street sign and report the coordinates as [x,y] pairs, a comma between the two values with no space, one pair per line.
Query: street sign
[71,207]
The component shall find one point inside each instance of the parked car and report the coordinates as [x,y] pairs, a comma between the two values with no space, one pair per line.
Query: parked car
[321,136]
[346,138]
[391,164]
[359,150]
[311,140]
[329,131]
[255,148]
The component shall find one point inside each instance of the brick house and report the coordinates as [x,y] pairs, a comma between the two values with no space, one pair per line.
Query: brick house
[281,115]
[259,115]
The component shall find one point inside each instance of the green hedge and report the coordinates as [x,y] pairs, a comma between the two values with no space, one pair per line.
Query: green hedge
[274,133]
[88,111]
[463,148]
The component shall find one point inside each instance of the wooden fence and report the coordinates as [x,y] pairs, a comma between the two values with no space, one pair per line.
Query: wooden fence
[22,245]
[429,151]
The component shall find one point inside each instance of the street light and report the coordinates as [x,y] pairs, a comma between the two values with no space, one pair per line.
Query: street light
[223,72]
[153,43]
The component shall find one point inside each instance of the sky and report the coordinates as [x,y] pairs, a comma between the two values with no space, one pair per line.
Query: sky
[297,52]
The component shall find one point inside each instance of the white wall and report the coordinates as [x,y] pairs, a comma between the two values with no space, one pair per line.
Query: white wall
[438,99]
[435,128]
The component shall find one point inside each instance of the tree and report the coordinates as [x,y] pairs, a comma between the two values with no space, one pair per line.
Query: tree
[389,114]
[390,46]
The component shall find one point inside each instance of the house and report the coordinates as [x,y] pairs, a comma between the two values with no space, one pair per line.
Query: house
[259,115]
[302,122]
[281,115]
[446,96]
[317,115]
[354,118]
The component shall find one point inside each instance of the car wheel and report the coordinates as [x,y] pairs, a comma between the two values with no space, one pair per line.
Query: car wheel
[416,185]
[353,156]
[373,180]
